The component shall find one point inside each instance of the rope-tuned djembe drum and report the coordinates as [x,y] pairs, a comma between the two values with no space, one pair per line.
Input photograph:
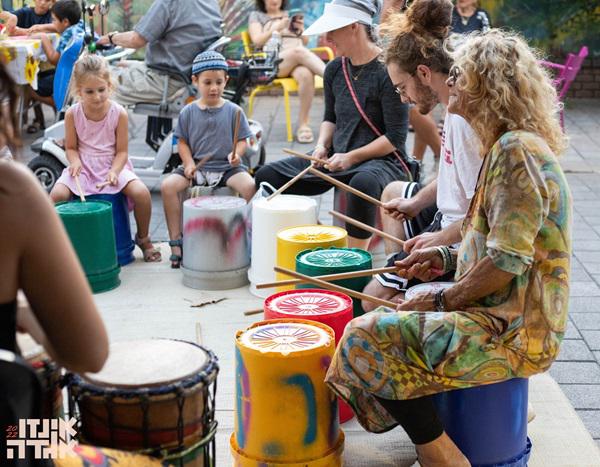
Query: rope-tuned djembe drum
[48,372]
[153,396]
[293,240]
[331,308]
[285,413]
[216,248]
[322,261]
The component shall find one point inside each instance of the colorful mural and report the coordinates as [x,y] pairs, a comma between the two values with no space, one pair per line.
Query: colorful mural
[555,26]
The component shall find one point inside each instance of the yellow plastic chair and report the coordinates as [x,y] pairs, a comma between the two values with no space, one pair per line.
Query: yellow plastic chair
[289,85]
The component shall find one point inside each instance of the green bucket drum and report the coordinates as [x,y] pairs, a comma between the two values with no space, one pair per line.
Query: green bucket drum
[90,228]
[322,261]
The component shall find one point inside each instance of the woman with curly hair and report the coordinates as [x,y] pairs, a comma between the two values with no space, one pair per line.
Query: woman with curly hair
[506,315]
[297,61]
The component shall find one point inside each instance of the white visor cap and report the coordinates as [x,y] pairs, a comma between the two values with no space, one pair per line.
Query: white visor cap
[336,17]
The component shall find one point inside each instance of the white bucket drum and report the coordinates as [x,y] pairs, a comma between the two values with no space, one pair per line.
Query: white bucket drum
[426,287]
[268,218]
[216,253]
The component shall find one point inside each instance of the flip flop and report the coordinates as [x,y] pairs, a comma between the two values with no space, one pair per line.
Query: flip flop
[304,135]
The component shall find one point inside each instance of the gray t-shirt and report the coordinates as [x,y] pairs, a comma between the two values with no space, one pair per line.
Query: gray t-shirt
[178,30]
[210,131]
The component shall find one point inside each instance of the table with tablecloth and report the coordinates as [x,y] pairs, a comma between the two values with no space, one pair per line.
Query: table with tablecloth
[23,57]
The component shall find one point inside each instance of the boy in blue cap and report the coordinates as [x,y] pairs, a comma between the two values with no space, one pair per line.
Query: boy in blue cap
[205,129]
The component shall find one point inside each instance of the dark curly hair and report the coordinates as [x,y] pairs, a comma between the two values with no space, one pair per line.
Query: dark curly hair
[9,124]
[417,36]
[260,4]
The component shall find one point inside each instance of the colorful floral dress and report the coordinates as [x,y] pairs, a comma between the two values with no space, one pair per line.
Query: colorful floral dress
[520,217]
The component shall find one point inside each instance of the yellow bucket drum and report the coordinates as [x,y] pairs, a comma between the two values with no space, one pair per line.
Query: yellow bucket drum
[292,241]
[285,413]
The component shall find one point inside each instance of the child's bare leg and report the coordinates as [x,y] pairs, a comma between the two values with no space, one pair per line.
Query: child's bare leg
[170,189]
[142,212]
[60,193]
[243,183]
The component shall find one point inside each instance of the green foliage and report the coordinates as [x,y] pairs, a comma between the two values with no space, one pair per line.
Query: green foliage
[555,26]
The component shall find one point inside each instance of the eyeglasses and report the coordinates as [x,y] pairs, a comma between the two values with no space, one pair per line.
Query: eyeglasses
[453,75]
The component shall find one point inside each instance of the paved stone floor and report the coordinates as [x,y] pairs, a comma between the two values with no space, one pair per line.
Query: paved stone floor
[578,367]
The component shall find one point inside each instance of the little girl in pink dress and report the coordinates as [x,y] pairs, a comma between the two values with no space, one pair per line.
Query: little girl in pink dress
[96,147]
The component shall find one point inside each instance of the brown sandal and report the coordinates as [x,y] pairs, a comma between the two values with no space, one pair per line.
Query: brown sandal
[150,252]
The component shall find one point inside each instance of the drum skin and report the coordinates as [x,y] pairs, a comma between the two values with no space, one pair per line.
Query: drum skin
[293,240]
[285,413]
[323,261]
[138,416]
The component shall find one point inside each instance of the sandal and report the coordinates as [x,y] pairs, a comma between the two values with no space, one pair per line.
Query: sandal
[176,259]
[304,134]
[151,254]
[35,127]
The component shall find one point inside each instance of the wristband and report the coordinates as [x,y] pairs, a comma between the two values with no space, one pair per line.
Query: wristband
[438,300]
[110,37]
[321,146]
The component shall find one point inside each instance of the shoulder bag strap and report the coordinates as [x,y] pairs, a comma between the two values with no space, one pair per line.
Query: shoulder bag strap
[367,119]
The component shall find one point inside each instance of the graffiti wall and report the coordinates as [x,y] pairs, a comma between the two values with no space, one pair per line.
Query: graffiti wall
[555,26]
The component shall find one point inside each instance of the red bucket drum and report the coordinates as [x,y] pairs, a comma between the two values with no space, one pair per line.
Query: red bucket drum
[155,396]
[334,309]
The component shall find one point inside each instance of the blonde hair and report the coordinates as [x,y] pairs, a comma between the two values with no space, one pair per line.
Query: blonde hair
[504,88]
[86,65]
[416,37]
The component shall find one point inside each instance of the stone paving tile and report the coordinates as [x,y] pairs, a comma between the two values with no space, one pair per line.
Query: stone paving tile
[576,372]
[586,320]
[591,420]
[593,245]
[580,274]
[582,396]
[584,305]
[584,289]
[572,332]
[576,350]
[597,355]
[592,338]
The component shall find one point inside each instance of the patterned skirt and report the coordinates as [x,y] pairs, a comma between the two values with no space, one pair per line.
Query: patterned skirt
[405,355]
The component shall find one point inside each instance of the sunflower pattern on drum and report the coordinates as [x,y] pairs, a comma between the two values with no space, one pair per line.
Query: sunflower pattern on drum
[520,217]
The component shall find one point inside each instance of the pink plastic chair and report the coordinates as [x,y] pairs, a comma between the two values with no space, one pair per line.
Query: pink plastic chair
[566,75]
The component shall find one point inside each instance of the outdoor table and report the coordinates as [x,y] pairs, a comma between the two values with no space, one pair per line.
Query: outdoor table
[22,56]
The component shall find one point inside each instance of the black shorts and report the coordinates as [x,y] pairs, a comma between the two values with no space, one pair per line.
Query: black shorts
[45,83]
[422,221]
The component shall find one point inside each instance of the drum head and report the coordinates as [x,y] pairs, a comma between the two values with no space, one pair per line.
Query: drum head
[30,349]
[216,202]
[285,337]
[149,362]
[312,234]
[308,302]
[427,287]
[335,259]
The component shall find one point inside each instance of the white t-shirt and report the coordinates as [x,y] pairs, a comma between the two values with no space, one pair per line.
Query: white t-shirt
[459,167]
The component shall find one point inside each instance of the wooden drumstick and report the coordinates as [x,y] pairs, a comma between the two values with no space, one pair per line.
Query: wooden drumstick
[306,157]
[253,312]
[81,196]
[336,288]
[236,129]
[289,184]
[99,186]
[329,277]
[345,187]
[368,228]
